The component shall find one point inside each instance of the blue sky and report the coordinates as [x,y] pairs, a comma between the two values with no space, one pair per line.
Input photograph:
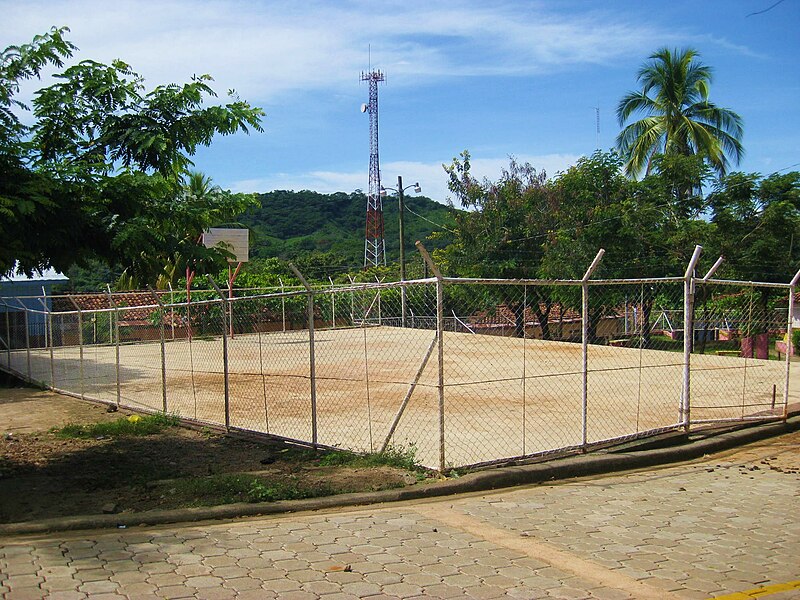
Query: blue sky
[496,78]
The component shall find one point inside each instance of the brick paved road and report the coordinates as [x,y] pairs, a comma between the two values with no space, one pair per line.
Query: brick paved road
[728,523]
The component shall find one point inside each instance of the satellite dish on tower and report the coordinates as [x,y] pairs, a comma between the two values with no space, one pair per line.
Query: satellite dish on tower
[364,108]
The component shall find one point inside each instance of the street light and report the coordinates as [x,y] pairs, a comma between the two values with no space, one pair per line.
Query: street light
[400,189]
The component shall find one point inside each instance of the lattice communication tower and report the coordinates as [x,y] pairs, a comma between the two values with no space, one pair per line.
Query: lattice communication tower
[374,244]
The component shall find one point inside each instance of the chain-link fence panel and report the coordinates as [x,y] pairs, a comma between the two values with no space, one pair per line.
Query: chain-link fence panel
[738,362]
[494,371]
[66,350]
[99,355]
[269,379]
[635,365]
[401,369]
[38,337]
[194,362]
[368,374]
[270,366]
[141,378]
[512,381]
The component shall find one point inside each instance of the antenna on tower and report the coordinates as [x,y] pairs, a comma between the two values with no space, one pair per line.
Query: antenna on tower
[597,121]
[374,243]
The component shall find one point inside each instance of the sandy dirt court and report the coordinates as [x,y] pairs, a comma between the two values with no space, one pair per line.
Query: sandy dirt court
[503,397]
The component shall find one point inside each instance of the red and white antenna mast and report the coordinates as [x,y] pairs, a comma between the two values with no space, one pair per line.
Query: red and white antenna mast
[374,244]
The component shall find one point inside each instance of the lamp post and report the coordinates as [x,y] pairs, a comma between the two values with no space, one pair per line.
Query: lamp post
[401,207]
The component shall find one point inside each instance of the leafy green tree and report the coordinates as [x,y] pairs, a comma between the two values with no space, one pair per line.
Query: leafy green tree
[100,171]
[503,232]
[167,235]
[678,117]
[757,224]
[647,228]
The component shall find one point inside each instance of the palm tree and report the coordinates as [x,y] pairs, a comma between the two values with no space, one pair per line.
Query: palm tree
[679,118]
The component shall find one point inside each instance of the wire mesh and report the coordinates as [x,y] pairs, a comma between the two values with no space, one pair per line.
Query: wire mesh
[737,372]
[635,361]
[359,366]
[269,368]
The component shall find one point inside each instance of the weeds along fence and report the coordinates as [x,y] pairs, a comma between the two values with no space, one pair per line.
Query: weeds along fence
[464,372]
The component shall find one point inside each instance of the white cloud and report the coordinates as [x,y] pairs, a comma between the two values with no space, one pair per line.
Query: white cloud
[431,176]
[266,49]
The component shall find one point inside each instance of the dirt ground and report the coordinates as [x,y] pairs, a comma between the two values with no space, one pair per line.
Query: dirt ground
[43,476]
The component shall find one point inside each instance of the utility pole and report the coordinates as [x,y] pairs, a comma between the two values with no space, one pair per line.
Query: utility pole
[402,208]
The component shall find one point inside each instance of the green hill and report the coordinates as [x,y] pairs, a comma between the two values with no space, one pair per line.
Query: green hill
[290,225]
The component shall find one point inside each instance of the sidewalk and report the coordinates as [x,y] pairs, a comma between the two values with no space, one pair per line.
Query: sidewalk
[720,524]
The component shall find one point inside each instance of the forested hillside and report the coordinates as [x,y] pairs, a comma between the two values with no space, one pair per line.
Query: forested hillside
[293,224]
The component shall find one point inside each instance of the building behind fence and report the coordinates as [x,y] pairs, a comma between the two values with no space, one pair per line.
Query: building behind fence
[465,372]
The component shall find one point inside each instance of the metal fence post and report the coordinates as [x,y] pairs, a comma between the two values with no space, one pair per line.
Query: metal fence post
[524,366]
[379,281]
[163,350]
[352,302]
[48,340]
[789,347]
[333,304]
[283,306]
[27,337]
[311,357]
[8,335]
[585,347]
[172,309]
[440,338]
[225,373]
[115,337]
[688,336]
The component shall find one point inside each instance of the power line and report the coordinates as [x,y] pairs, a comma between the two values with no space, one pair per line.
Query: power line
[761,12]
[416,214]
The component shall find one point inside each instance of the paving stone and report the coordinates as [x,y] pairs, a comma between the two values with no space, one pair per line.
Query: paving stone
[66,595]
[176,591]
[98,587]
[282,585]
[166,579]
[422,579]
[362,588]
[220,594]
[443,591]
[383,578]
[18,582]
[60,584]
[243,583]
[485,592]
[204,581]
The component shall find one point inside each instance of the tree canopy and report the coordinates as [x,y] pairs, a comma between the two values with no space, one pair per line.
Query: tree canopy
[101,171]
[678,116]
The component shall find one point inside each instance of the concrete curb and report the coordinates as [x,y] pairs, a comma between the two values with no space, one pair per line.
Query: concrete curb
[562,468]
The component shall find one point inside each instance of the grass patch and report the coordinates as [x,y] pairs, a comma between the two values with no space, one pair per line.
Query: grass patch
[227,489]
[132,426]
[394,456]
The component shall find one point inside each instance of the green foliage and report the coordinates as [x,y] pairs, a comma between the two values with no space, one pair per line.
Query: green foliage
[132,426]
[400,457]
[99,174]
[242,487]
[756,222]
[323,234]
[678,116]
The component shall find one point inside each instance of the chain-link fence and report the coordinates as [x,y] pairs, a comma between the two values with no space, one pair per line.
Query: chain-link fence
[465,372]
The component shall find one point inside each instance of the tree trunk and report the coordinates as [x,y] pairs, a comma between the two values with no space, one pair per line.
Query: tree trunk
[543,316]
[647,309]
[519,319]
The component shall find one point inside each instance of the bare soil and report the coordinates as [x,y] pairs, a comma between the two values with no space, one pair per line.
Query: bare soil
[44,476]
